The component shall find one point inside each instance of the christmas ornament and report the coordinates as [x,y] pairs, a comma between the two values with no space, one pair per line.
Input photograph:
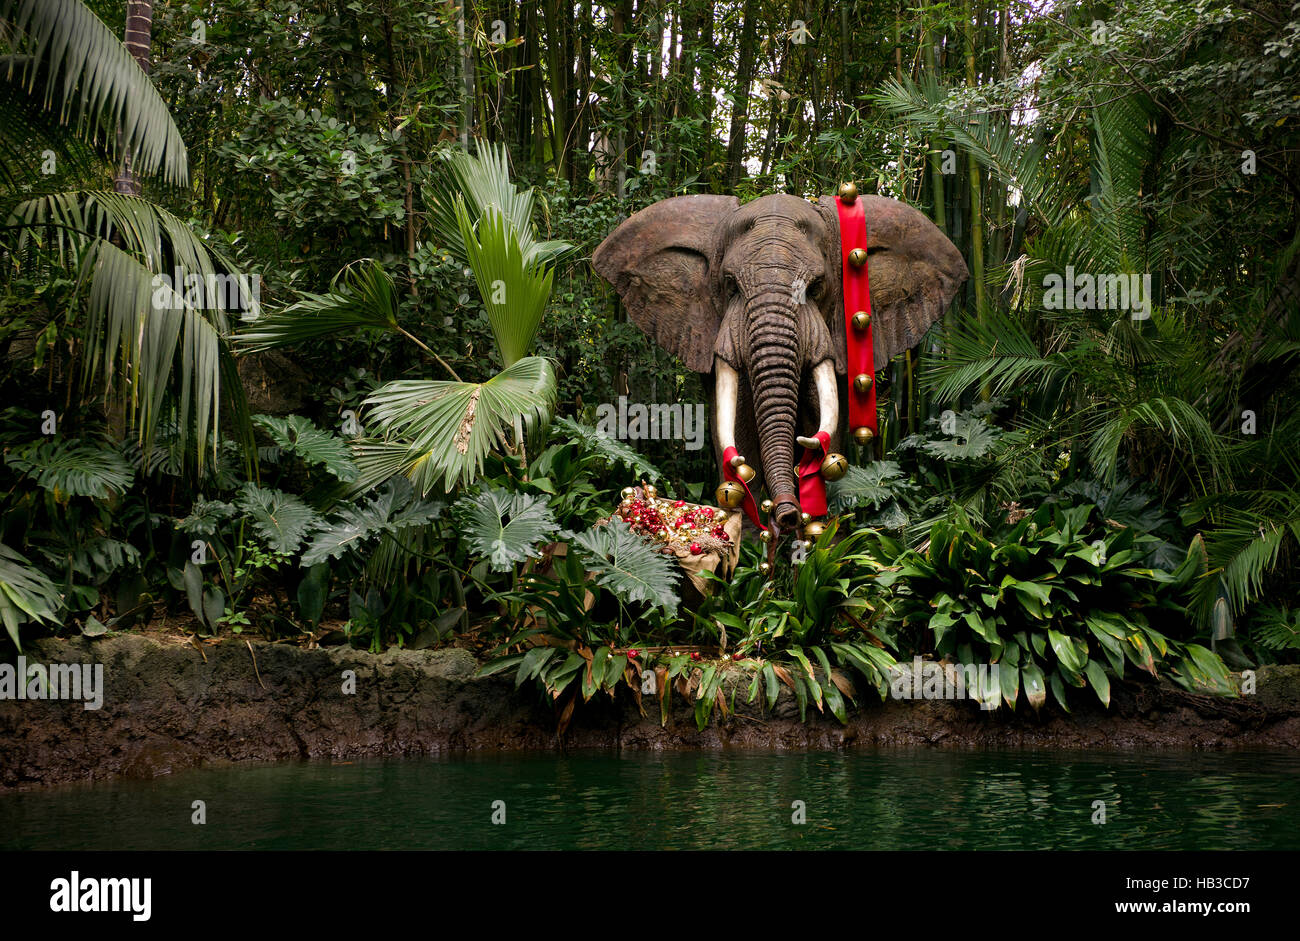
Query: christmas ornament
[729,494]
[834,467]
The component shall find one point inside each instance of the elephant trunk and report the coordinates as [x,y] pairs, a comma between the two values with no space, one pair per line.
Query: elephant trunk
[774,371]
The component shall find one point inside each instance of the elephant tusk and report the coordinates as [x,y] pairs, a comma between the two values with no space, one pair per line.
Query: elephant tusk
[828,403]
[726,394]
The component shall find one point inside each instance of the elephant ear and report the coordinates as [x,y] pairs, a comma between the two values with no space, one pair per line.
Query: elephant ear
[914,272]
[660,262]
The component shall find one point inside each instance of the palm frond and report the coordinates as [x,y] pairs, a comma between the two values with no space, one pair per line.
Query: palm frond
[72,468]
[1020,163]
[146,341]
[514,290]
[478,184]
[448,428]
[997,351]
[81,71]
[361,297]
[1186,430]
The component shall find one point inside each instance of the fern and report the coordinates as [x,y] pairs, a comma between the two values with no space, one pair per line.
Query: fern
[393,510]
[72,468]
[281,519]
[503,527]
[629,566]
[299,436]
[25,594]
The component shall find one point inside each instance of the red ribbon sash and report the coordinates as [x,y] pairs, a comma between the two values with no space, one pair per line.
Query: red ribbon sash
[812,488]
[729,473]
[857,296]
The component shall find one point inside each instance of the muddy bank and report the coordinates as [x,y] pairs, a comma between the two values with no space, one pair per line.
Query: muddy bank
[165,708]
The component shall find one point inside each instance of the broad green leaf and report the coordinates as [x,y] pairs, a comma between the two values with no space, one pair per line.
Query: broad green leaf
[1035,691]
[503,527]
[1099,680]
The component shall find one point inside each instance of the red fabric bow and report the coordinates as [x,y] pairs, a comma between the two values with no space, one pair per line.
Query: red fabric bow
[729,473]
[812,488]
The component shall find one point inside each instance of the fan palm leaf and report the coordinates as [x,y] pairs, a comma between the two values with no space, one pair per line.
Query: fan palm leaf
[361,297]
[514,290]
[439,433]
[479,183]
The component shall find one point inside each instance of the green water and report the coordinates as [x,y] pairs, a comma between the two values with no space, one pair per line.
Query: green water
[883,800]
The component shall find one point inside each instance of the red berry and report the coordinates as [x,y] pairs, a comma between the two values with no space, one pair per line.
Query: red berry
[679,503]
[695,548]
[737,656]
[631,654]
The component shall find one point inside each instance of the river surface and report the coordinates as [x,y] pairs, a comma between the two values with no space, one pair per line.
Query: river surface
[878,800]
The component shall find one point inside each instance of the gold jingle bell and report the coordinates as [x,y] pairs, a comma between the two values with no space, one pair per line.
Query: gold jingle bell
[863,435]
[834,466]
[858,257]
[861,320]
[730,494]
[764,567]
[862,382]
[650,492]
[805,518]
[814,529]
[766,506]
[765,535]
[848,193]
[736,460]
[627,493]
[745,472]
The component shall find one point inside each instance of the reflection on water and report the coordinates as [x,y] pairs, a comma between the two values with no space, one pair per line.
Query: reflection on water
[884,800]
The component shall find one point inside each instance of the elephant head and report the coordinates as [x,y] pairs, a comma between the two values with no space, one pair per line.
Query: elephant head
[752,294]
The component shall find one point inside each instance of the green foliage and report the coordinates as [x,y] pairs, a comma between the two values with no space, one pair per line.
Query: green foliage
[627,565]
[1058,600]
[25,594]
[391,512]
[281,519]
[72,468]
[299,436]
[439,433]
[503,527]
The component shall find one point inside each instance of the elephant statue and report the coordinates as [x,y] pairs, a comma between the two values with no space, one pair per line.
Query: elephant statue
[752,294]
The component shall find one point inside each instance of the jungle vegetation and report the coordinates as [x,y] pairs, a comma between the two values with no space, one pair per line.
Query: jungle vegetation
[1081,495]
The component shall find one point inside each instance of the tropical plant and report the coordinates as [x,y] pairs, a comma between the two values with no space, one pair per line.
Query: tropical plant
[152,341]
[1057,600]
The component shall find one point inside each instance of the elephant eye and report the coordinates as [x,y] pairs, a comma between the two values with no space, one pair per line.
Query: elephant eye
[729,284]
[815,289]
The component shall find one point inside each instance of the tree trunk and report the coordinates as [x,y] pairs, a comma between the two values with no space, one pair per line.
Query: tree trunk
[740,108]
[139,25]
